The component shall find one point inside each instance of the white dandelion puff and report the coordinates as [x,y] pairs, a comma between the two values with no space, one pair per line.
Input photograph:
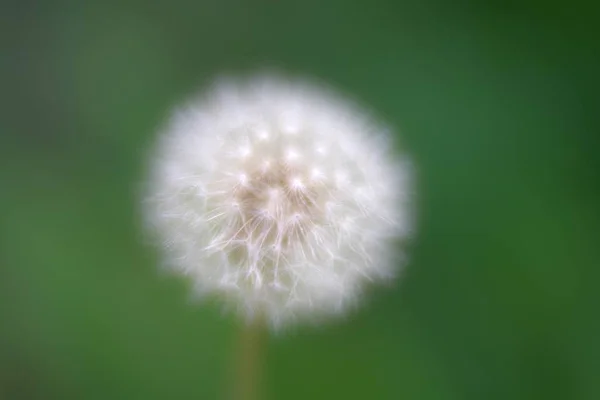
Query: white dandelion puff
[278,196]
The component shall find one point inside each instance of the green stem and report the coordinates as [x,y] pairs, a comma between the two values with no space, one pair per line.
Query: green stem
[249,361]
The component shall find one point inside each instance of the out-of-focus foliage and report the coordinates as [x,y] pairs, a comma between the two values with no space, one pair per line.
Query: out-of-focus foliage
[496,103]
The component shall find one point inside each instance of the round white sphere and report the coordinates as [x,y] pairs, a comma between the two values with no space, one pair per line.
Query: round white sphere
[280,197]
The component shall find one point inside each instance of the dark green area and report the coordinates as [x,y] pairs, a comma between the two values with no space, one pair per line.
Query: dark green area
[496,102]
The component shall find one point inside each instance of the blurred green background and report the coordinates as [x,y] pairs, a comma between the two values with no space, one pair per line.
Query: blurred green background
[496,103]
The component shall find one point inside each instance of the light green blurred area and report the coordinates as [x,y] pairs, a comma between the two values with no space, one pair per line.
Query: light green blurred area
[496,104]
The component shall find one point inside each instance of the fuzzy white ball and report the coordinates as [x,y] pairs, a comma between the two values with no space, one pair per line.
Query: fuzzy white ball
[279,195]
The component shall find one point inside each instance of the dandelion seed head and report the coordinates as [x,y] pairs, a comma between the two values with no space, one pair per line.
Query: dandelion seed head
[278,196]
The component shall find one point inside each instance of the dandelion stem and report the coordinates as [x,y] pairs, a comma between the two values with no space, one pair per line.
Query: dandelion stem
[249,361]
